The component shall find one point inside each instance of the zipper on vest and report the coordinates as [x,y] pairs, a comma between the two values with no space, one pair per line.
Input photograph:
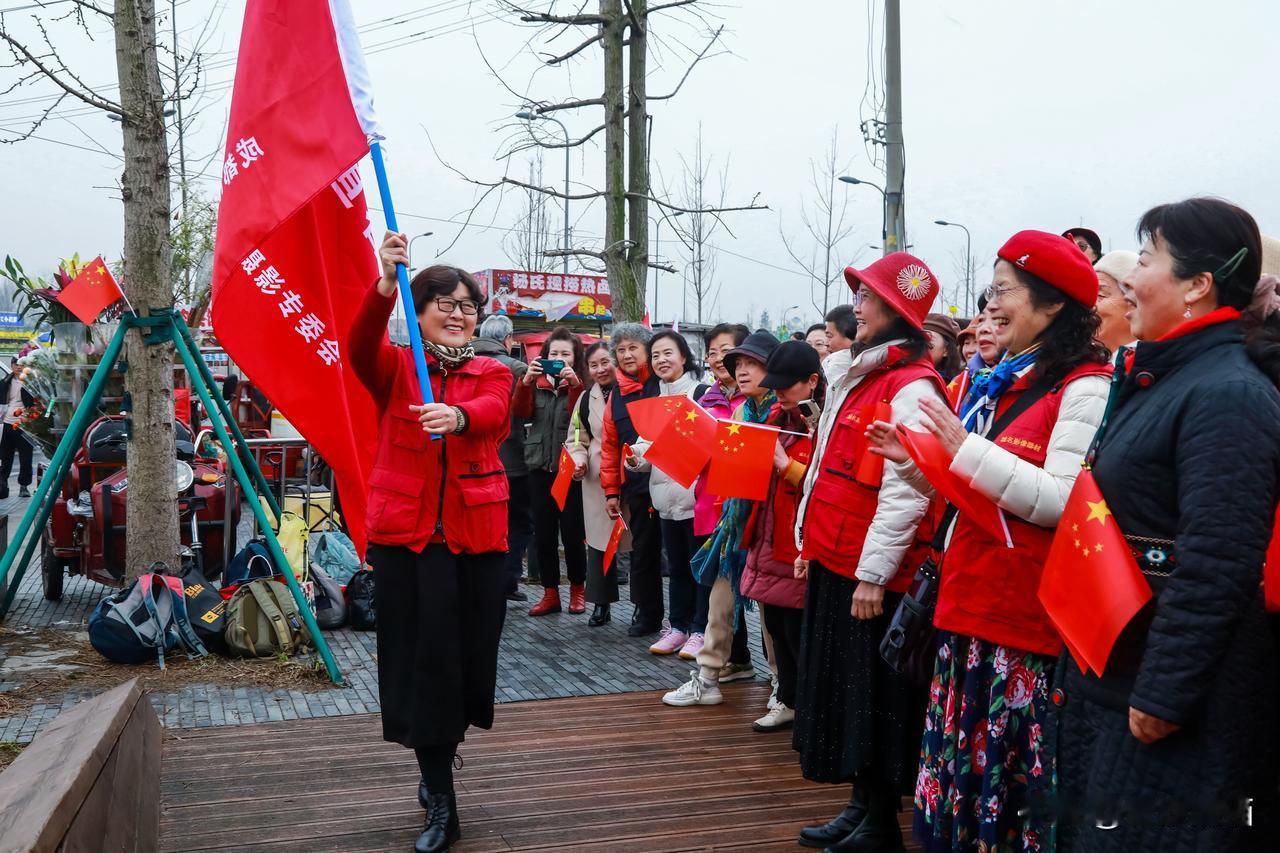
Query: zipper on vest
[444,468]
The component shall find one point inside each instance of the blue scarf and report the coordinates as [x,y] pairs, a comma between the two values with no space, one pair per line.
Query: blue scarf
[723,554]
[979,404]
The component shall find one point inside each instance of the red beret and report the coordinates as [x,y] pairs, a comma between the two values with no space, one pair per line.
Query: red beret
[1056,260]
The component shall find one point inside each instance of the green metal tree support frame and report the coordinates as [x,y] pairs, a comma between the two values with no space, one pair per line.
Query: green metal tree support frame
[161,326]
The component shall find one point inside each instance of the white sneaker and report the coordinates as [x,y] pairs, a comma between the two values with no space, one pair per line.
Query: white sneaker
[695,691]
[779,717]
[773,702]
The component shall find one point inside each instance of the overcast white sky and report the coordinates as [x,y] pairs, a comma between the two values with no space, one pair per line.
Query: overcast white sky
[1017,115]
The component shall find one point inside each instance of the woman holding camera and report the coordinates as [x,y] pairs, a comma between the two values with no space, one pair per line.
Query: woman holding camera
[437,524]
[545,397]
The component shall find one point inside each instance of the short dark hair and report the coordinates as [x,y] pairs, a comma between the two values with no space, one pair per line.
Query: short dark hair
[595,348]
[738,331]
[443,280]
[691,364]
[562,333]
[797,336]
[1206,235]
[845,321]
[915,345]
[816,327]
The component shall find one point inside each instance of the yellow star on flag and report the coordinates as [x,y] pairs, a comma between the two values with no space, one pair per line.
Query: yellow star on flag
[1098,511]
[690,415]
[734,429]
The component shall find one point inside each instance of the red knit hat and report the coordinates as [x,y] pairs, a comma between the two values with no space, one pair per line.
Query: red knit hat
[1056,260]
[903,281]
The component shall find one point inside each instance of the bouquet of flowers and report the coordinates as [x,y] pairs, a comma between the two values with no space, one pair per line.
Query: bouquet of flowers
[38,371]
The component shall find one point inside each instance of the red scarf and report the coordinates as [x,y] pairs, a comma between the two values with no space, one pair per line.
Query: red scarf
[1190,327]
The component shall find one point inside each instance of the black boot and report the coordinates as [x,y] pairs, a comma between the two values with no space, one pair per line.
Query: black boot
[843,824]
[879,831]
[600,616]
[422,793]
[441,830]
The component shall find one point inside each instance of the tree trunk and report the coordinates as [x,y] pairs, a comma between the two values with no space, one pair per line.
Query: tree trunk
[152,517]
[637,162]
[626,307]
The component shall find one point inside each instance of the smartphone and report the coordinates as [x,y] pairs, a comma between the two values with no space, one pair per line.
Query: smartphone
[551,366]
[810,412]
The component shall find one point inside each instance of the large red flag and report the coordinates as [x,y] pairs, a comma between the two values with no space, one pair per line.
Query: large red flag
[1091,586]
[742,460]
[90,292]
[683,447]
[935,463]
[294,255]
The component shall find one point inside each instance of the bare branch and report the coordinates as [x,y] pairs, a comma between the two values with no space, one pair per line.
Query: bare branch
[24,55]
[556,60]
[93,7]
[573,253]
[531,16]
[664,6]
[543,190]
[543,109]
[703,55]
[709,210]
[631,13]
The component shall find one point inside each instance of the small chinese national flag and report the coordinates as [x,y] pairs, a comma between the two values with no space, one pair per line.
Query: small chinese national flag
[742,460]
[1091,587]
[683,447]
[615,536]
[91,292]
[564,479]
[1271,571]
[651,415]
[871,467]
[935,463]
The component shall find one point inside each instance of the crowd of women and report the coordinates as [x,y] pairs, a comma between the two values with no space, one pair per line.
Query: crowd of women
[1159,370]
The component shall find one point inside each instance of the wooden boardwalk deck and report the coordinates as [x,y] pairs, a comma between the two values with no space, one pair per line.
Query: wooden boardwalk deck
[615,773]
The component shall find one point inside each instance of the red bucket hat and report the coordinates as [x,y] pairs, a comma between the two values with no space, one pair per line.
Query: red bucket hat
[1056,260]
[903,281]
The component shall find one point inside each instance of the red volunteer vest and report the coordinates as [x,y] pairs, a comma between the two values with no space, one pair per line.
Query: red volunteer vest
[840,508]
[786,500]
[989,591]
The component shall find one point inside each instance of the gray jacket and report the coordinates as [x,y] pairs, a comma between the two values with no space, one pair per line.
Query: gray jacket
[511,451]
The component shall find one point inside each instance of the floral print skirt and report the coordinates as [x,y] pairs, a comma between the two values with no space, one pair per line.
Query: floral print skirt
[986,763]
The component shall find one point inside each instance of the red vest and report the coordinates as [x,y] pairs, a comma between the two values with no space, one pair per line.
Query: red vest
[410,497]
[989,591]
[840,508]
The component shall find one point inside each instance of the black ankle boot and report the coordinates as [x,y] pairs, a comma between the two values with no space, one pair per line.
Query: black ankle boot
[879,831]
[442,829]
[422,793]
[600,616]
[840,827]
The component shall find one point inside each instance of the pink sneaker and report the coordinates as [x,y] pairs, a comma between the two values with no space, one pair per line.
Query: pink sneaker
[692,646]
[670,641]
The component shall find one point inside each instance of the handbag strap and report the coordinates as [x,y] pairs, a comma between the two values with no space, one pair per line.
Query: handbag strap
[1026,400]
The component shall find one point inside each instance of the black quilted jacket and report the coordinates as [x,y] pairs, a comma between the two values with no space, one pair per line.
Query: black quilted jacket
[1191,454]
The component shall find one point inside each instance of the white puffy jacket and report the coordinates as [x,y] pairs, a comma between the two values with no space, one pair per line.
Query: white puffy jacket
[671,500]
[1034,494]
[900,505]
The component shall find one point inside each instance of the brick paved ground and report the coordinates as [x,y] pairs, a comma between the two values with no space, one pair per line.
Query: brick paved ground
[552,656]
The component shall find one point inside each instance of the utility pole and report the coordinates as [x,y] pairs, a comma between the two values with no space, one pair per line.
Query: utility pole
[895,161]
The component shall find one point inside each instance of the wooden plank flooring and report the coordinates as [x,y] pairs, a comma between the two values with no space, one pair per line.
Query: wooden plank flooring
[600,773]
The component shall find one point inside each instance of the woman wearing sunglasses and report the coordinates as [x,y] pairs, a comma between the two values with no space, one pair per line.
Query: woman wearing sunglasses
[437,524]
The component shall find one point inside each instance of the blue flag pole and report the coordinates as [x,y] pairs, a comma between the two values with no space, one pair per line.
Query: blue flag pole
[402,274]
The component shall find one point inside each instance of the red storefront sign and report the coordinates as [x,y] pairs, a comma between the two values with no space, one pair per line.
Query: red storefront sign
[554,295]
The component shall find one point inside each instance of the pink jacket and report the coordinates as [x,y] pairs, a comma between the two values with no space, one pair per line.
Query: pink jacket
[706,509]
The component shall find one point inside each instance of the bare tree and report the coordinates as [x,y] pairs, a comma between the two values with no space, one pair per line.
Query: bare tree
[820,250]
[703,192]
[622,31]
[532,234]
[145,194]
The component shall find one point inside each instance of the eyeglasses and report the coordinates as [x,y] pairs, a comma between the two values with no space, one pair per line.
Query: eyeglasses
[447,304]
[995,292]
[861,295]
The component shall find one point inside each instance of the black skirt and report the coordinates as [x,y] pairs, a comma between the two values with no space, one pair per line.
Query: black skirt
[855,717]
[440,617]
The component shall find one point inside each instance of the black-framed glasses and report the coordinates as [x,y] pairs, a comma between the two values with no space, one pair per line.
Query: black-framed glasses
[447,304]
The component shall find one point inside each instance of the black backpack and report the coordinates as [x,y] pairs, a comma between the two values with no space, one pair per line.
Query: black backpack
[361,612]
[206,610]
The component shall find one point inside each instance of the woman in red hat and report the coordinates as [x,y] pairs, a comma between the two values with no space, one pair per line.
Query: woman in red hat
[986,763]
[858,528]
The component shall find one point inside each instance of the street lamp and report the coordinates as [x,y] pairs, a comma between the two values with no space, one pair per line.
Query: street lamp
[884,202]
[412,270]
[968,260]
[657,242]
[527,115]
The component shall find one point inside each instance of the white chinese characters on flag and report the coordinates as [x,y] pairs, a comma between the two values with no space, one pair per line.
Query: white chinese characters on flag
[294,257]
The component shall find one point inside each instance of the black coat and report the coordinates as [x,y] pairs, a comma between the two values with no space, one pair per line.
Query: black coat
[1191,454]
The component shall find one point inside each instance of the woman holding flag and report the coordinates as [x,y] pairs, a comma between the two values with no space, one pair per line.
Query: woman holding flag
[437,524]
[1173,746]
[546,402]
[987,760]
[860,529]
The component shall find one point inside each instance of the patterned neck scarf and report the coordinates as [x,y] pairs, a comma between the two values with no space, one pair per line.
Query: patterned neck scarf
[450,358]
[979,406]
